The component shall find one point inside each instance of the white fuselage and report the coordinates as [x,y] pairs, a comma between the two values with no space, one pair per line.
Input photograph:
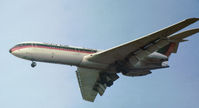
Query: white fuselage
[54,54]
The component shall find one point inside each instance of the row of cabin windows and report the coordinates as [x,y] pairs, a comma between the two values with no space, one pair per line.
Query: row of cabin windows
[54,46]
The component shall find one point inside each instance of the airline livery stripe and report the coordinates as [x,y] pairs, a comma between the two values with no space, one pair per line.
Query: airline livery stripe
[30,46]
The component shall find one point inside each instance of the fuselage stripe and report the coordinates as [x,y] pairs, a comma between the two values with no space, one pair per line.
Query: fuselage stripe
[30,46]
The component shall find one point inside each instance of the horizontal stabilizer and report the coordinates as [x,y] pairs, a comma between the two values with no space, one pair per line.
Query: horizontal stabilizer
[175,40]
[180,36]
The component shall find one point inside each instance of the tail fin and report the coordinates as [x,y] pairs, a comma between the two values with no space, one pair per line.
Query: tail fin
[167,50]
[175,40]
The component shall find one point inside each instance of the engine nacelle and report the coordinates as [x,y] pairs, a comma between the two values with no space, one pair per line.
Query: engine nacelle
[137,73]
[156,58]
[152,61]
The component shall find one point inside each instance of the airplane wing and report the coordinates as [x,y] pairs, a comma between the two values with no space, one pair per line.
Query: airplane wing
[89,79]
[90,83]
[141,47]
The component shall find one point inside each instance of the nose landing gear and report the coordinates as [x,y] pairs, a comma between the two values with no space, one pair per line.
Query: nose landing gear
[33,64]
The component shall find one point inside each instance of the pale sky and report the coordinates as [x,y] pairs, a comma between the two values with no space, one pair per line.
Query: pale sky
[98,24]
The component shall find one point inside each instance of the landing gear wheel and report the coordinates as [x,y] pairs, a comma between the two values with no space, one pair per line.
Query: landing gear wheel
[33,64]
[124,72]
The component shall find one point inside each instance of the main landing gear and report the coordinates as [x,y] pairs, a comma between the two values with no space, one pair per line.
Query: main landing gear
[33,64]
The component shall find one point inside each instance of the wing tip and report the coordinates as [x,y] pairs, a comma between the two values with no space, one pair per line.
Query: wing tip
[88,99]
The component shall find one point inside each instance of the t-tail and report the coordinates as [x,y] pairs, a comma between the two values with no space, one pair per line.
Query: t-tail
[172,47]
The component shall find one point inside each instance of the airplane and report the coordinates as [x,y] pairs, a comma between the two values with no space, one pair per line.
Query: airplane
[98,69]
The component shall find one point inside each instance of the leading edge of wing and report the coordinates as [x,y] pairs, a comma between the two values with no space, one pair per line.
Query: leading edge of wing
[121,51]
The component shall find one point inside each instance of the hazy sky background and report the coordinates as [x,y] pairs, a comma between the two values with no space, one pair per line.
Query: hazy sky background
[98,24]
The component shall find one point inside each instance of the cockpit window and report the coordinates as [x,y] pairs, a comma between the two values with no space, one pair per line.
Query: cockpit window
[23,44]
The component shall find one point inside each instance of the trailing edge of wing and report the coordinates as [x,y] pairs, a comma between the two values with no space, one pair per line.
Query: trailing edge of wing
[121,51]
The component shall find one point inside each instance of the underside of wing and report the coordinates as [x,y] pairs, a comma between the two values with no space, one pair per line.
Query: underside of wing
[151,42]
[87,79]
[92,82]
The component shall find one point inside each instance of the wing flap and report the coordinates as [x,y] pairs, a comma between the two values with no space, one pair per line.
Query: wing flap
[144,52]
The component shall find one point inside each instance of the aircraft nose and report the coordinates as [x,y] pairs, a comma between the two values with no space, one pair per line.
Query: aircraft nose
[10,50]
[13,51]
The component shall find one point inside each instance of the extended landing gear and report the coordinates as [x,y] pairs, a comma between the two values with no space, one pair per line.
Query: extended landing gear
[109,83]
[33,64]
[108,78]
